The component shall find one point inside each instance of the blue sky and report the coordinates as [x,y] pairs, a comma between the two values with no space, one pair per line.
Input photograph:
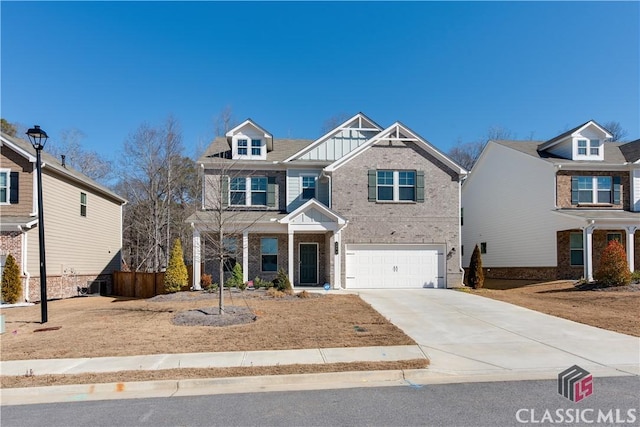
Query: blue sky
[447,70]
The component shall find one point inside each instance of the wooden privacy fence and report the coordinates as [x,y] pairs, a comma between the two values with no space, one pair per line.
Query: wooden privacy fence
[135,284]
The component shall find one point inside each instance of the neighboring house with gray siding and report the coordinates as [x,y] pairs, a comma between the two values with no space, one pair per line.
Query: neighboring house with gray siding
[546,210]
[82,222]
[360,207]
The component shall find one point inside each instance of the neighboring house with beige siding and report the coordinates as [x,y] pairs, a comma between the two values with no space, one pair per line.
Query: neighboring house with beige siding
[82,222]
[544,210]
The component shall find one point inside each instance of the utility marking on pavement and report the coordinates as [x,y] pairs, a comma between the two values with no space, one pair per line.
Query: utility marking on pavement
[146,416]
[120,387]
[413,385]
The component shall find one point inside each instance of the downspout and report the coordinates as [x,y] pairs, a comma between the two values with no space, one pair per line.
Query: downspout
[326,175]
[459,231]
[23,261]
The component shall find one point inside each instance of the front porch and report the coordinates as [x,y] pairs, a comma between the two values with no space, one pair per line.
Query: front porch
[579,249]
[304,243]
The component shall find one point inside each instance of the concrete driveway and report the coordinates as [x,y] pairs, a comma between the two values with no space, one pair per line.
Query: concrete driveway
[466,334]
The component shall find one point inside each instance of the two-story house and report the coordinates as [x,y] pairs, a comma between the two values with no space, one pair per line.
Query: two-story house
[360,207]
[547,209]
[82,222]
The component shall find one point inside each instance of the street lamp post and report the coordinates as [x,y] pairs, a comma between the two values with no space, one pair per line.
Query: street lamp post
[38,139]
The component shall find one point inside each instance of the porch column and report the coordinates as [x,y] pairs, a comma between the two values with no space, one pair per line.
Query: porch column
[587,235]
[290,252]
[630,246]
[196,273]
[245,256]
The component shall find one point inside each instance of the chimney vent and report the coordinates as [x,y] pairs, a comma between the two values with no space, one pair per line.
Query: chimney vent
[64,165]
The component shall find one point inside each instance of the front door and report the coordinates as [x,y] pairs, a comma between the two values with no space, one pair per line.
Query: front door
[309,263]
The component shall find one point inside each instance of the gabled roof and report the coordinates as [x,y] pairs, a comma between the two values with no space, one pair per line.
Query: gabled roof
[253,124]
[219,151]
[631,151]
[556,140]
[26,150]
[612,153]
[363,123]
[399,132]
[310,205]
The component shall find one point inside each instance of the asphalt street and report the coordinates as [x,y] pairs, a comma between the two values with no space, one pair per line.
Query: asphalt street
[614,402]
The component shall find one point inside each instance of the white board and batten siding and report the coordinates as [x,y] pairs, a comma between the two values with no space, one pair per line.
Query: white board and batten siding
[339,145]
[394,266]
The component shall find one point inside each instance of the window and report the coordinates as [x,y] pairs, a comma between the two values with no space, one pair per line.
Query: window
[594,147]
[582,147]
[83,204]
[593,189]
[256,147]
[308,187]
[483,247]
[242,147]
[269,253]
[576,248]
[238,191]
[4,186]
[385,185]
[407,185]
[396,186]
[614,236]
[258,191]
[230,248]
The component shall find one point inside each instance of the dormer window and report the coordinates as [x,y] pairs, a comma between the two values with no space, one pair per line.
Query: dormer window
[594,147]
[242,147]
[256,147]
[582,147]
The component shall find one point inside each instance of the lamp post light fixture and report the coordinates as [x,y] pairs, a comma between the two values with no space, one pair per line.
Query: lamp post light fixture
[38,139]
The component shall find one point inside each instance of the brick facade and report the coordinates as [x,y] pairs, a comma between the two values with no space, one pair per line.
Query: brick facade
[436,221]
[563,182]
[59,287]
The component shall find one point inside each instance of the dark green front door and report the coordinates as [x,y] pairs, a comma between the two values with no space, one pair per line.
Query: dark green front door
[308,263]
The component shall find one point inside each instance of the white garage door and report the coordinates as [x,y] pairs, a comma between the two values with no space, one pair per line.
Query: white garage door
[394,266]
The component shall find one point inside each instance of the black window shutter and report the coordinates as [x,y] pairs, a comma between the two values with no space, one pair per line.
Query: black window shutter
[14,180]
[372,185]
[420,186]
[225,191]
[574,190]
[616,190]
[271,191]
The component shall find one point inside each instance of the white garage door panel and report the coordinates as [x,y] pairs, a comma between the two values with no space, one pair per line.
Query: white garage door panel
[394,266]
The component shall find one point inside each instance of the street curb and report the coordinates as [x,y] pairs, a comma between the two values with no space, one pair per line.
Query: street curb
[416,378]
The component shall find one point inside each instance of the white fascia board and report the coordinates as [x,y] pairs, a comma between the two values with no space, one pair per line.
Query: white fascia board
[332,132]
[313,203]
[596,125]
[591,166]
[30,157]
[251,123]
[383,136]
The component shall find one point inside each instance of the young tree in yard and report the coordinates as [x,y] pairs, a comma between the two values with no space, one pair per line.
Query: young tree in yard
[613,269]
[176,275]
[11,283]
[476,275]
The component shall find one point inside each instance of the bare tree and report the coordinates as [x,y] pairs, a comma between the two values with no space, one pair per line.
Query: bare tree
[159,183]
[616,130]
[88,162]
[466,154]
[225,218]
[334,121]
[224,121]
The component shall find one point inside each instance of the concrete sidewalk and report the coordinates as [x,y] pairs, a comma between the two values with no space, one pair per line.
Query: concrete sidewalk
[229,359]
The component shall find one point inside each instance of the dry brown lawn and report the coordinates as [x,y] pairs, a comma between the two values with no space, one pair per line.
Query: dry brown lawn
[615,309]
[107,326]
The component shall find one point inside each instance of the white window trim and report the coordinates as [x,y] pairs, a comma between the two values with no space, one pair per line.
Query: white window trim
[244,147]
[396,186]
[315,185]
[259,147]
[595,189]
[8,192]
[248,191]
[262,254]
[590,144]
